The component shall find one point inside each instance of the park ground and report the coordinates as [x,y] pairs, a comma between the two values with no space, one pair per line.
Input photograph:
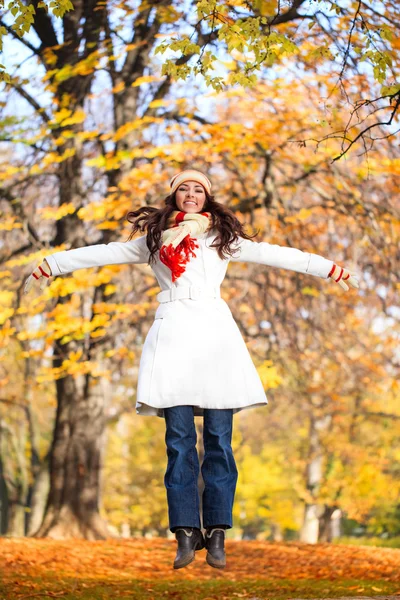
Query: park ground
[142,569]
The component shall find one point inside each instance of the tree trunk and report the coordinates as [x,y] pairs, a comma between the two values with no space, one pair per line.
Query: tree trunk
[336,524]
[325,524]
[37,499]
[15,478]
[310,530]
[312,511]
[329,524]
[3,500]
[16,518]
[72,509]
[276,532]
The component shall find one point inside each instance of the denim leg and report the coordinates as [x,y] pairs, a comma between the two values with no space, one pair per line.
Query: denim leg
[182,472]
[219,468]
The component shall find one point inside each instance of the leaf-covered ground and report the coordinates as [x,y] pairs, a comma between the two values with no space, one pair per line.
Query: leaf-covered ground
[142,568]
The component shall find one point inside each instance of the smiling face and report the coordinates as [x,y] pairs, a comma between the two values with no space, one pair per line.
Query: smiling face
[190,197]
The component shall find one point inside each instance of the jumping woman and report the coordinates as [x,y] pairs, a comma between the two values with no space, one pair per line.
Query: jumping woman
[194,360]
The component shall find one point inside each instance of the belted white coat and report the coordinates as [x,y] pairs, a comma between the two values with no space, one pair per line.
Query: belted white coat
[194,353]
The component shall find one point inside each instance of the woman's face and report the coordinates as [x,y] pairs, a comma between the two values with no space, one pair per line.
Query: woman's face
[190,197]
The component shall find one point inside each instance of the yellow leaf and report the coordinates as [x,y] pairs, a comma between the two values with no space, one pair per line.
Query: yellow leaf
[310,291]
[78,117]
[86,135]
[53,157]
[223,18]
[304,214]
[118,88]
[98,333]
[244,308]
[157,103]
[10,171]
[74,356]
[6,298]
[108,225]
[152,292]
[5,314]
[6,330]
[9,224]
[35,169]
[109,289]
[56,212]
[66,117]
[145,79]
[269,375]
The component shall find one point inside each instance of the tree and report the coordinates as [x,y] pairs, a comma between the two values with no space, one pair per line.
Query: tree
[75,154]
[23,16]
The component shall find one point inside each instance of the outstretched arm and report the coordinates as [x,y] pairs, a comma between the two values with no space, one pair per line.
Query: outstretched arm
[292,259]
[98,255]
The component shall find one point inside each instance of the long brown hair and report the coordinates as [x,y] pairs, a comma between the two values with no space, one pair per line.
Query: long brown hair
[154,221]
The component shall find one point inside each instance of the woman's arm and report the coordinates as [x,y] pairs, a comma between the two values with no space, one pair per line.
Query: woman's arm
[99,255]
[282,257]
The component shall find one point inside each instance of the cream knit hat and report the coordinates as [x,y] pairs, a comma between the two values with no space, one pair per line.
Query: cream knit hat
[190,175]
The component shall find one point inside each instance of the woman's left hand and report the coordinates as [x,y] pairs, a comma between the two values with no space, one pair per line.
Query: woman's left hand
[340,275]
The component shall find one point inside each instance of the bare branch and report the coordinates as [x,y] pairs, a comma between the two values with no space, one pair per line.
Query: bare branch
[22,40]
[17,209]
[290,15]
[39,109]
[372,126]
[43,26]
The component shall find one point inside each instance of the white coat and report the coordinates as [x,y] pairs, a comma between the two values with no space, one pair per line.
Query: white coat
[194,353]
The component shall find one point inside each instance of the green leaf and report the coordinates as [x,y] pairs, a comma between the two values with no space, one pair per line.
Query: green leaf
[389,90]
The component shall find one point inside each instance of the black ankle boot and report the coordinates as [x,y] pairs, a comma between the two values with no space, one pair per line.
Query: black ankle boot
[215,544]
[189,540]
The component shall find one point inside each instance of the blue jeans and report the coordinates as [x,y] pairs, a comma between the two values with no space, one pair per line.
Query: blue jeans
[218,469]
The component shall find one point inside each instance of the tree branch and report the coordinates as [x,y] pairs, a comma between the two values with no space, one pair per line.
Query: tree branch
[39,109]
[290,15]
[364,131]
[17,209]
[143,35]
[43,26]
[22,40]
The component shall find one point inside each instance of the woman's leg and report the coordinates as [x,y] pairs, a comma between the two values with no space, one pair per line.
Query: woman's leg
[183,467]
[218,469]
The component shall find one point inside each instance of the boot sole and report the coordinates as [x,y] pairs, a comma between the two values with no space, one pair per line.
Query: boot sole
[191,559]
[215,563]
[185,564]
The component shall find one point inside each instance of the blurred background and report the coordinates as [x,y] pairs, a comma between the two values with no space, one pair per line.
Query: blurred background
[96,116]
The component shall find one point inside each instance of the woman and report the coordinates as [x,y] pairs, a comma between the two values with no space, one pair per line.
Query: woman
[194,360]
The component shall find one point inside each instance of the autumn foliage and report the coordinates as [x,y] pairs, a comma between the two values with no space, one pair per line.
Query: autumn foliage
[101,126]
[143,569]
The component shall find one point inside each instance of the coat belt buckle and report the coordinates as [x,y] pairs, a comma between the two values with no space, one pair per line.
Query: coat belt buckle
[194,293]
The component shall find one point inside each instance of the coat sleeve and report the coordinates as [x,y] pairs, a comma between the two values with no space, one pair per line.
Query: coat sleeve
[99,255]
[282,257]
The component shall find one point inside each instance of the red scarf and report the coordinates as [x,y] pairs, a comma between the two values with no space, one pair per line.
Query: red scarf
[178,244]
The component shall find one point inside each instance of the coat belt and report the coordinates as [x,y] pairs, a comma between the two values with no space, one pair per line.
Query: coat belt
[193,292]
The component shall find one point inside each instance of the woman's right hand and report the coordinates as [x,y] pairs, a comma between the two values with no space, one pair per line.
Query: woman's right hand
[42,272]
